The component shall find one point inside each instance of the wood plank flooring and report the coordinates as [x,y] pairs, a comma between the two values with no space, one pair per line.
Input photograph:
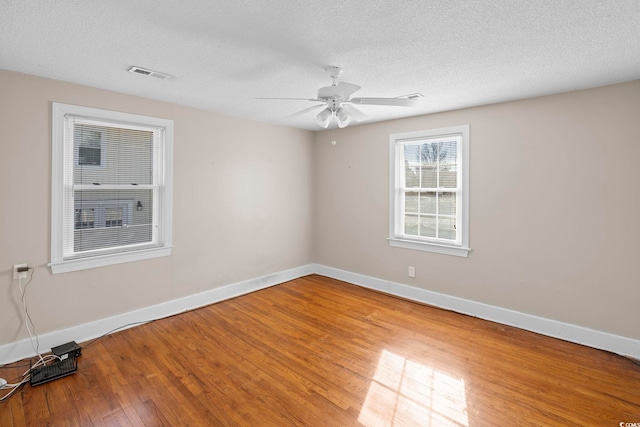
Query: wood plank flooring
[320,352]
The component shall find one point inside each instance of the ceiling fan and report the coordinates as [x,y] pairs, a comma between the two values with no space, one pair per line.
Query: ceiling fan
[340,106]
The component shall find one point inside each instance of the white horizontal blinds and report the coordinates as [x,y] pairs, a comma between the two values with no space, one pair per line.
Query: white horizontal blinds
[111,204]
[431,188]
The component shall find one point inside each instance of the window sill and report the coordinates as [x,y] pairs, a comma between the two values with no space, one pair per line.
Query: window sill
[430,247]
[104,260]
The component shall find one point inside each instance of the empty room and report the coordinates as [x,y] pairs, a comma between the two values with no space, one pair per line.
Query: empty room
[408,213]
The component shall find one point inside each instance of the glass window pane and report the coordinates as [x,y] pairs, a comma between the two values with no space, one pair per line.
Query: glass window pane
[429,165]
[446,203]
[429,153]
[448,168]
[411,176]
[411,166]
[428,172]
[428,203]
[411,153]
[447,228]
[427,226]
[411,202]
[125,156]
[411,225]
[112,218]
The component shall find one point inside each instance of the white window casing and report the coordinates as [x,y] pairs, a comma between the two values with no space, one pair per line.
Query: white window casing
[429,190]
[115,205]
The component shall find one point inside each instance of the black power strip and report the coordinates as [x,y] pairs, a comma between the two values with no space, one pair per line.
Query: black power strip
[53,371]
[66,364]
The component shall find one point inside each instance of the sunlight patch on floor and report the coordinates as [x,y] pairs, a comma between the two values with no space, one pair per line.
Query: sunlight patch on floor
[407,393]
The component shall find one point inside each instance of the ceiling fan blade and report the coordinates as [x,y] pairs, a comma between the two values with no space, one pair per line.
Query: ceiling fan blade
[395,102]
[306,110]
[345,90]
[356,114]
[294,99]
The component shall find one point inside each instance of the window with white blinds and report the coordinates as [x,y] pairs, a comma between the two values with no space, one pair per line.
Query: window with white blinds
[428,197]
[111,191]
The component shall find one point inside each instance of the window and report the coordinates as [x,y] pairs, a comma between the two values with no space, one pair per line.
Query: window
[111,187]
[429,196]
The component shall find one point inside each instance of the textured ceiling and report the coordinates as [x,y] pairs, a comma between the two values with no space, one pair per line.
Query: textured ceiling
[224,54]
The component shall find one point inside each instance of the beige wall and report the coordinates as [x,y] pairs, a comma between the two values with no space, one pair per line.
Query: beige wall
[554,207]
[243,207]
[554,186]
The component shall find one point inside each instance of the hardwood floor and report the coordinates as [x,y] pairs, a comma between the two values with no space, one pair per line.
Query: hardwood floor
[320,352]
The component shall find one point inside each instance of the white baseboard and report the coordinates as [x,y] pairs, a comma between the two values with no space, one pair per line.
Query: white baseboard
[614,343]
[22,349]
[577,334]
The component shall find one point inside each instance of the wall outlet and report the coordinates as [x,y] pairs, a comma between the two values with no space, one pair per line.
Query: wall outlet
[19,274]
[412,271]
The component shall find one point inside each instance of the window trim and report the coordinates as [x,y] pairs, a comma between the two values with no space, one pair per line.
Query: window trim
[60,265]
[395,210]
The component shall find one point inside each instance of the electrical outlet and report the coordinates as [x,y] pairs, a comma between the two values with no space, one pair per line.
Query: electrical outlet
[19,274]
[412,271]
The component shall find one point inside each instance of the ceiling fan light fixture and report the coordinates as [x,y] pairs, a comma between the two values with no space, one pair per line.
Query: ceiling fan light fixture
[343,118]
[337,102]
[324,117]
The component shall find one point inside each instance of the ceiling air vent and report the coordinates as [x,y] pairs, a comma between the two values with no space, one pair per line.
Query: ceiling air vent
[145,72]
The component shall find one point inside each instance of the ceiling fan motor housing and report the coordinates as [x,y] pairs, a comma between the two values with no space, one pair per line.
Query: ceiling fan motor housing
[334,72]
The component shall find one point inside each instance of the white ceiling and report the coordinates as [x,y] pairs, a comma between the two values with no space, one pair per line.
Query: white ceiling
[224,54]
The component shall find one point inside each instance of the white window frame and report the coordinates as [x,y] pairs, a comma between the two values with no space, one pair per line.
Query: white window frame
[61,221]
[397,238]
